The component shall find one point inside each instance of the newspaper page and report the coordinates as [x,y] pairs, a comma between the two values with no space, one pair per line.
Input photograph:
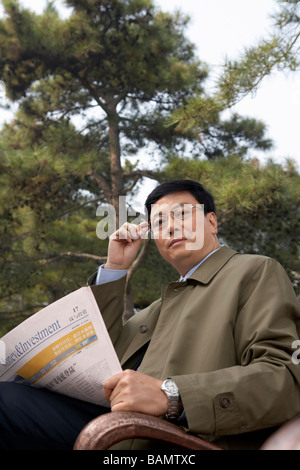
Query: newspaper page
[64,348]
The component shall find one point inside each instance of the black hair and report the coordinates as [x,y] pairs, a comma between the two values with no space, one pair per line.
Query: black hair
[169,187]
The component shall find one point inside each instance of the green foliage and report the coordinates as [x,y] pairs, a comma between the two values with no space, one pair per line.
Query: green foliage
[47,226]
[280,50]
[108,74]
[112,70]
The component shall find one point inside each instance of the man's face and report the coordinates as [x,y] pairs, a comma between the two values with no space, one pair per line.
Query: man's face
[182,233]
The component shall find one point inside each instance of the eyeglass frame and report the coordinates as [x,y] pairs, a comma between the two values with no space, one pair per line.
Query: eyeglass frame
[172,213]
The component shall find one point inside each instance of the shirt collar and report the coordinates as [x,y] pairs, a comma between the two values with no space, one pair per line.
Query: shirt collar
[191,271]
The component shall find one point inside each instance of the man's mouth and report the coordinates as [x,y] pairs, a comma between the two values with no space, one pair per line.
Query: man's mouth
[176,240]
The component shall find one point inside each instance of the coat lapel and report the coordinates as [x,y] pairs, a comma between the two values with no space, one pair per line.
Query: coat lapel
[213,265]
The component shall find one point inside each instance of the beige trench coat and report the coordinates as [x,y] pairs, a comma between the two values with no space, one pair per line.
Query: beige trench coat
[225,337]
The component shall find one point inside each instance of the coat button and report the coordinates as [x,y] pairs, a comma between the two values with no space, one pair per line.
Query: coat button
[143,329]
[224,402]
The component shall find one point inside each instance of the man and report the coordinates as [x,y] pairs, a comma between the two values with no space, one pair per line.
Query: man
[223,334]
[123,249]
[214,353]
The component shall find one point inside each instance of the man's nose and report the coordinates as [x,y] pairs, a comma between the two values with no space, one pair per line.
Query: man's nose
[172,225]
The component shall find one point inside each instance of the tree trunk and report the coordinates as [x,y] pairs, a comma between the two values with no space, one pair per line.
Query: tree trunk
[117,180]
[128,297]
[117,190]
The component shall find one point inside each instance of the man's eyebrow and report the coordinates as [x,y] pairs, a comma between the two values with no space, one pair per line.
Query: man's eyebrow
[181,204]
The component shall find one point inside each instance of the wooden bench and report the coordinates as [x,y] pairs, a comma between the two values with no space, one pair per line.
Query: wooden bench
[111,428]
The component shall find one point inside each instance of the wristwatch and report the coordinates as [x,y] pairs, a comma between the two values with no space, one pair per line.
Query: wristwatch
[175,406]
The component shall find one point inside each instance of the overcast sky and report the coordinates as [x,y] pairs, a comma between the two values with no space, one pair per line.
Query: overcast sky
[222,28]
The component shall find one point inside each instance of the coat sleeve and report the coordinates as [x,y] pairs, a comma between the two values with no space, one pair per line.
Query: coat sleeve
[110,299]
[262,390]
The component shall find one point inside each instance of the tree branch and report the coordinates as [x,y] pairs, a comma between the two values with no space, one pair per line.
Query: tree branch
[141,173]
[100,180]
[75,255]
[90,201]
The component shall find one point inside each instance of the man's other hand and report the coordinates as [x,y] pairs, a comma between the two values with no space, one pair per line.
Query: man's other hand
[133,391]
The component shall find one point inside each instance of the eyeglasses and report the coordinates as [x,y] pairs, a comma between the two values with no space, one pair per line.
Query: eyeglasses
[182,213]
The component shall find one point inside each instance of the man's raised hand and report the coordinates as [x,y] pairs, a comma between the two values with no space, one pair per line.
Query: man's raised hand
[124,245]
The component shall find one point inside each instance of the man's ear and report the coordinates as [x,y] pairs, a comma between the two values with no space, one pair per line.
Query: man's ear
[213,222]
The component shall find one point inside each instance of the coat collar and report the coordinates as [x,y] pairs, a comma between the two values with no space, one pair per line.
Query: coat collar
[210,267]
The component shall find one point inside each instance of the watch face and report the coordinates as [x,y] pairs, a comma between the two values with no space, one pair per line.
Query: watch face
[171,387]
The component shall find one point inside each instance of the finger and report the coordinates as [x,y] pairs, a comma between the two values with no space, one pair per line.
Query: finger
[130,232]
[138,231]
[133,231]
[122,234]
[122,389]
[109,385]
[142,229]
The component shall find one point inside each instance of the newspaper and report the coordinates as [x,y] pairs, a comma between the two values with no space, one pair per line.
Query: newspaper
[64,348]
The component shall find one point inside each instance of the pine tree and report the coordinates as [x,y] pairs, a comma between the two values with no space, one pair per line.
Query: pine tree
[92,91]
